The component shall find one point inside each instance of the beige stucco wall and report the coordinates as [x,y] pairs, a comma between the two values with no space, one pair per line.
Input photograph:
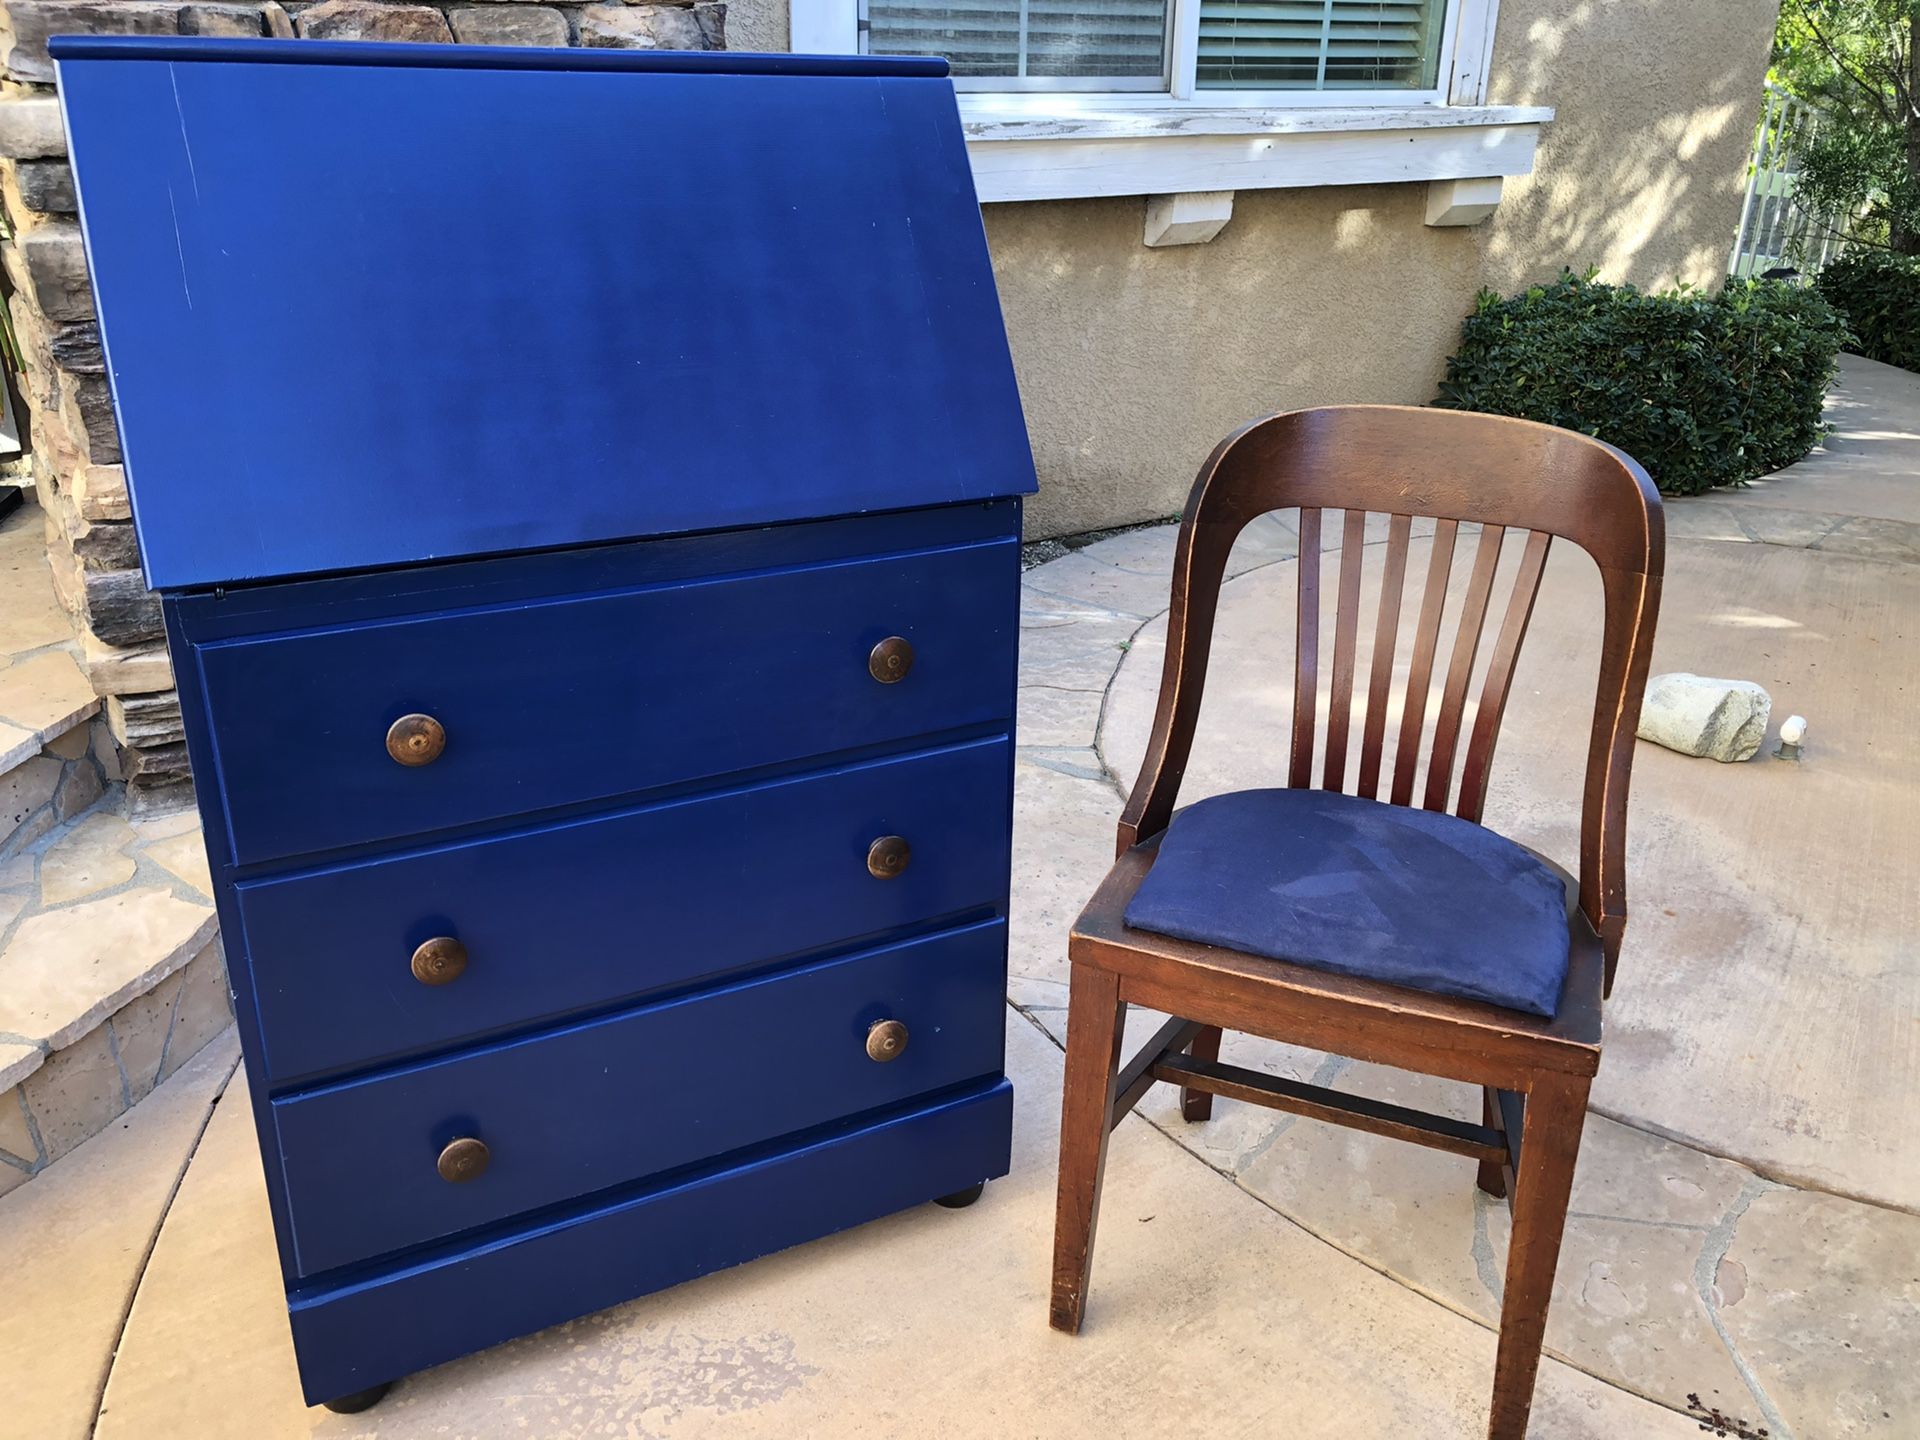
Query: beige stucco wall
[1133,362]
[757,24]
[1641,172]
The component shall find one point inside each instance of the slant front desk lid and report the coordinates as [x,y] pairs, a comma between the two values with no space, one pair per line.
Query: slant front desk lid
[369,305]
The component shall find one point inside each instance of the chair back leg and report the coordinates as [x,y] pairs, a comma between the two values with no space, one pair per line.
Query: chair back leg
[1556,1109]
[1096,1022]
[1492,1179]
[1197,1105]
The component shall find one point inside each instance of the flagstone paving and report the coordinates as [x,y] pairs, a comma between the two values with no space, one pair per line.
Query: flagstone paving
[43,692]
[1743,1236]
[110,973]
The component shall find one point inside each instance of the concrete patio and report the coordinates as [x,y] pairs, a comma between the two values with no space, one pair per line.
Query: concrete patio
[1746,1227]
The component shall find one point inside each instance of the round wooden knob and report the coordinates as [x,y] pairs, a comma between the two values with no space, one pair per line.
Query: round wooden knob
[416,739]
[887,857]
[890,660]
[886,1040]
[439,961]
[463,1160]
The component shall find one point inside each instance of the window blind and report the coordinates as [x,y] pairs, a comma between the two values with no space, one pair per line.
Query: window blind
[1320,44]
[1062,39]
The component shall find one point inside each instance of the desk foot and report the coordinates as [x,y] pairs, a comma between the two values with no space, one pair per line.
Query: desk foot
[359,1400]
[960,1199]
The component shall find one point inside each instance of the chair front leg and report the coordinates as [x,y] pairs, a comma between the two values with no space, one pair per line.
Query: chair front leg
[1096,1020]
[1549,1146]
[1197,1105]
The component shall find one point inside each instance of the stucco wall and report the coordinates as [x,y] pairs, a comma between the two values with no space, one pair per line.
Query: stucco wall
[1133,362]
[1641,172]
[757,25]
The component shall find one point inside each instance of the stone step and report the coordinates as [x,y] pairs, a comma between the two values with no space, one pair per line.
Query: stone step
[111,975]
[44,692]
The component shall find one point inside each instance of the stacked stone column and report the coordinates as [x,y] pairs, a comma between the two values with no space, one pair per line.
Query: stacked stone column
[74,444]
[76,453]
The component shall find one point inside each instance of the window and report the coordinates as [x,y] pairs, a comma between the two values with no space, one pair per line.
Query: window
[1188,101]
[1030,44]
[1319,44]
[1288,48]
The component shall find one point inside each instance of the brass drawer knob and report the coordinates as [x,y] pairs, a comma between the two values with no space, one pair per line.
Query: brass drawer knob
[416,739]
[886,1040]
[440,961]
[890,660]
[463,1160]
[887,857]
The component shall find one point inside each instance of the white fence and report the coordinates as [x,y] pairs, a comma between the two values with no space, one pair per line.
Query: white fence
[1775,230]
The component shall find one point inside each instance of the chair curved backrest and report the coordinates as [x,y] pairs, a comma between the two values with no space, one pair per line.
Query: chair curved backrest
[1453,467]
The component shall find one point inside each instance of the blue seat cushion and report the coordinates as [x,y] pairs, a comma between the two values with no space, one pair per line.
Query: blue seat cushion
[1362,888]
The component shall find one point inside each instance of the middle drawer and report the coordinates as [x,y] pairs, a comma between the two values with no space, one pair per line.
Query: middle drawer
[624,904]
[379,1165]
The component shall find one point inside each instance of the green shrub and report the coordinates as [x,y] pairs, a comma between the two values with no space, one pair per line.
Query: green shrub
[1702,389]
[1879,294]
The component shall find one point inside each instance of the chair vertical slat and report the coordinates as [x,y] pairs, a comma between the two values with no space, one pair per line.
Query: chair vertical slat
[1346,629]
[1385,632]
[1426,640]
[1306,670]
[1493,690]
[1466,645]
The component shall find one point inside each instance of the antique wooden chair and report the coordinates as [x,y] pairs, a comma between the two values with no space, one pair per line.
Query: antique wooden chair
[1401,914]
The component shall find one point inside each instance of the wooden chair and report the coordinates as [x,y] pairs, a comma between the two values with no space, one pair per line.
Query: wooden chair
[1534,1072]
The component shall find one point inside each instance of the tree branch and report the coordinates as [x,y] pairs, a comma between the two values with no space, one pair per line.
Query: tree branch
[1873,92]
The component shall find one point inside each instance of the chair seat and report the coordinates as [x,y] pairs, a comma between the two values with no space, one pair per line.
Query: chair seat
[1365,889]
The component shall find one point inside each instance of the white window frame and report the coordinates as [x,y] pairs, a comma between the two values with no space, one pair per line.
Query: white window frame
[839,27]
[1042,141]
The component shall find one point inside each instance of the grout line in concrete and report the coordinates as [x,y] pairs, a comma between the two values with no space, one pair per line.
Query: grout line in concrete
[119,1065]
[1773,1175]
[1064,765]
[1331,1068]
[146,1255]
[1706,1275]
[1092,607]
[41,1160]
[173,1014]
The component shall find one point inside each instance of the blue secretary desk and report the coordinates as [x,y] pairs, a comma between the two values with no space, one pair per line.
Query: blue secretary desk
[584,488]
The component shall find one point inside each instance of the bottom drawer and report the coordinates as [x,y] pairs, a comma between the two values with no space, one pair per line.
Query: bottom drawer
[446,1146]
[355,1336]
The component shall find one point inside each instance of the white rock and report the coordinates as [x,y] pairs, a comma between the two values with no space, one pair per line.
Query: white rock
[1698,715]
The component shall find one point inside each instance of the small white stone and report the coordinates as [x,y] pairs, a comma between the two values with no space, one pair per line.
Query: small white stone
[1793,730]
[1697,715]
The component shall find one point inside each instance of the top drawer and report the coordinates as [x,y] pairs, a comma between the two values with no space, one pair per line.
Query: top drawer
[580,699]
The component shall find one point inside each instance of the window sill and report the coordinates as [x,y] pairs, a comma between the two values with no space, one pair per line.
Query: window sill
[1070,150]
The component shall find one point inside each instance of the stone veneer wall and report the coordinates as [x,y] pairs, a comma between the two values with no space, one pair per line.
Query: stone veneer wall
[75,447]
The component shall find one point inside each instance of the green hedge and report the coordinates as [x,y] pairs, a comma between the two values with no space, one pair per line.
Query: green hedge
[1702,389]
[1879,294]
